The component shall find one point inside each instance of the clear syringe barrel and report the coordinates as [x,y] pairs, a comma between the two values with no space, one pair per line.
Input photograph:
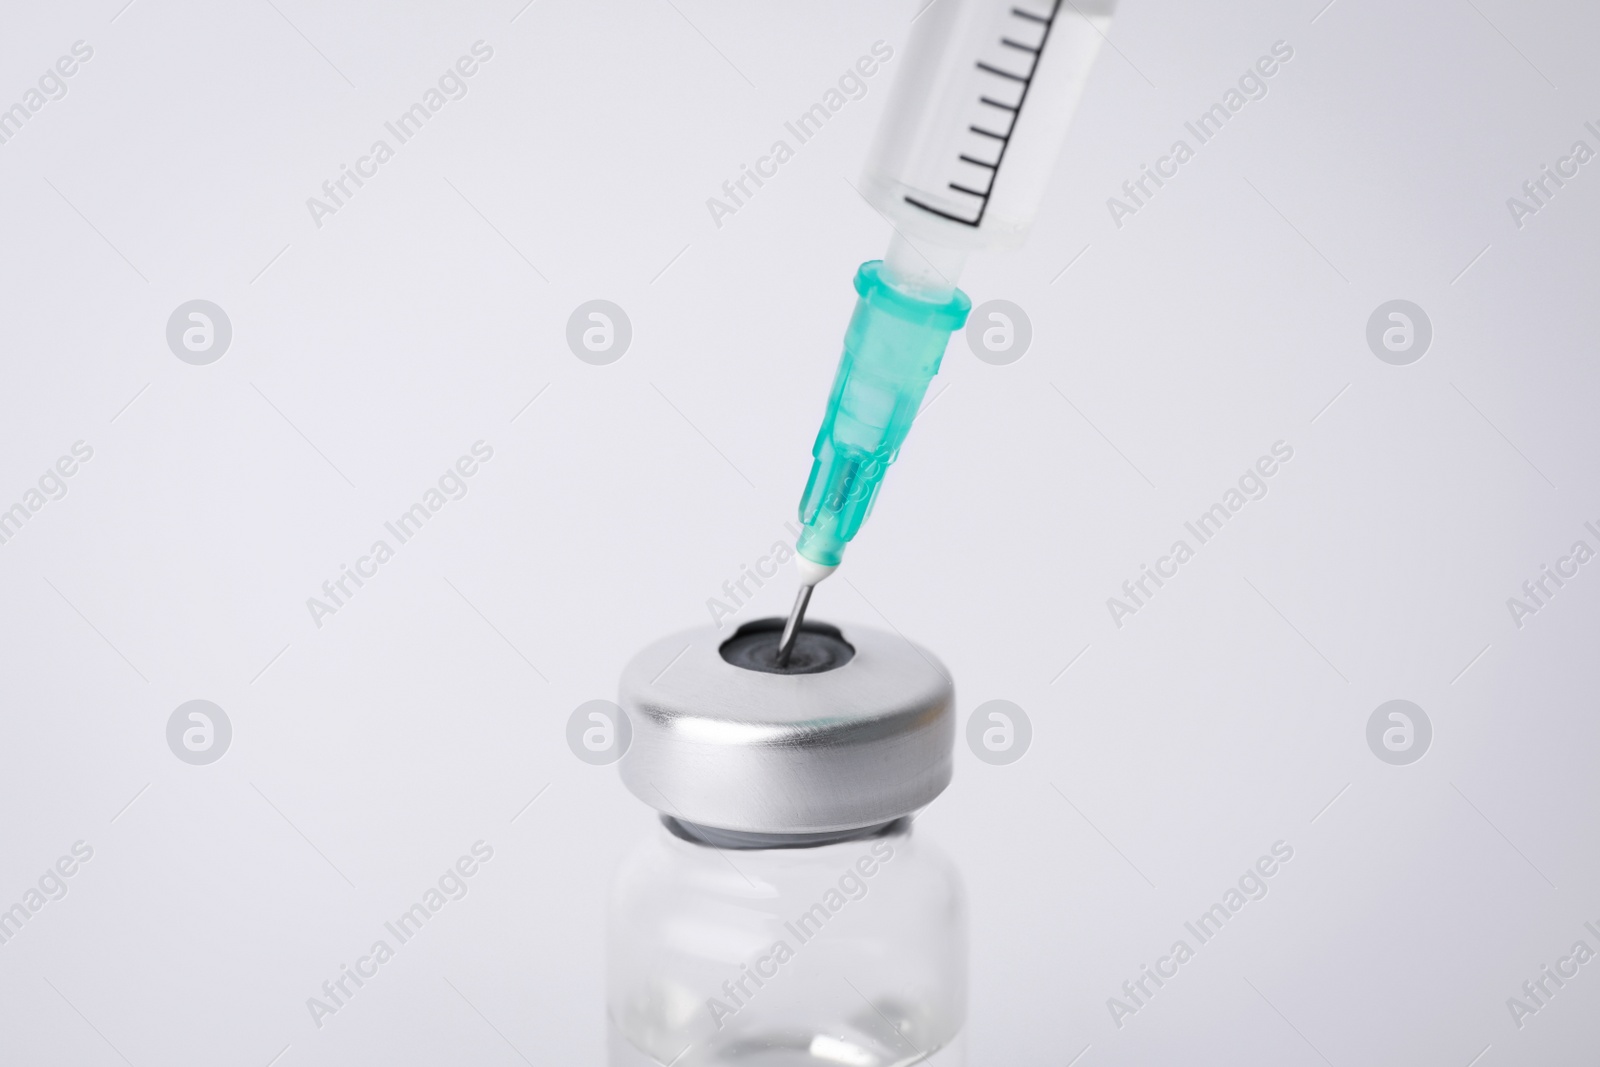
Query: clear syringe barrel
[978,115]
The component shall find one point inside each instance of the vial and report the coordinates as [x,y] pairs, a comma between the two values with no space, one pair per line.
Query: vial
[783,911]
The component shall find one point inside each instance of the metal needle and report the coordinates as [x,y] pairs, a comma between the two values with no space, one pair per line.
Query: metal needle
[791,629]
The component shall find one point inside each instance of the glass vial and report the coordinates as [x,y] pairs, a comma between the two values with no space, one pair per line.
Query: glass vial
[783,911]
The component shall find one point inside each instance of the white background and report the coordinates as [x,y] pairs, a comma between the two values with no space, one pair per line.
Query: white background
[371,352]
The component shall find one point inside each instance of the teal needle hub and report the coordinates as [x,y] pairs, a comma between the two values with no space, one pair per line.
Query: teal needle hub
[892,350]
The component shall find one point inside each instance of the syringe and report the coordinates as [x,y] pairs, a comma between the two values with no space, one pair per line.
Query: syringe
[960,162]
